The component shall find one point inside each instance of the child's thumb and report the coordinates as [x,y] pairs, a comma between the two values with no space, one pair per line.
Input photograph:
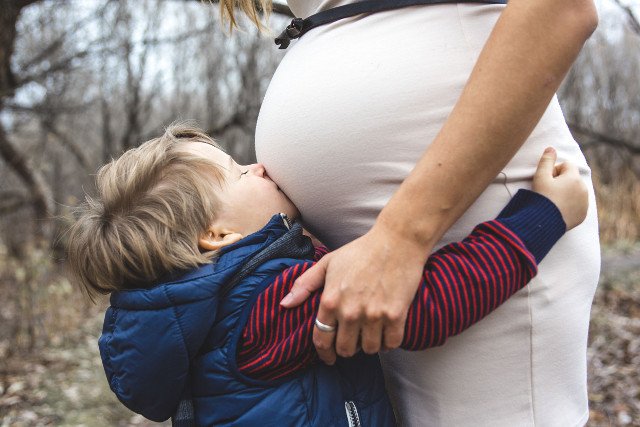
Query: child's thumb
[547,163]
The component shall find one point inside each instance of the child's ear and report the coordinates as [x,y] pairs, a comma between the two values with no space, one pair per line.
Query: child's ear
[215,238]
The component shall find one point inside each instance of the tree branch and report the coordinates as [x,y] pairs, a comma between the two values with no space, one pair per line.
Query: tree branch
[77,153]
[603,139]
[633,20]
[279,8]
[7,207]
[42,110]
[238,119]
[42,200]
[180,37]
[25,3]
[62,65]
[11,194]
[282,9]
[60,40]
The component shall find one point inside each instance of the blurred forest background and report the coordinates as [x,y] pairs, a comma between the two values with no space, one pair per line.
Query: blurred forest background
[81,81]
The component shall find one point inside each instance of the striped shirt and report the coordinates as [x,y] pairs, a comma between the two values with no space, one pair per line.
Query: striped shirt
[461,283]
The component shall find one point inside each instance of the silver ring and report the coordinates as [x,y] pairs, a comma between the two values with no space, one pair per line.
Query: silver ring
[323,327]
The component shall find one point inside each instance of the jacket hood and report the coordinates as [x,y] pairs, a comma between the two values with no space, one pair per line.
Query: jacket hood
[150,336]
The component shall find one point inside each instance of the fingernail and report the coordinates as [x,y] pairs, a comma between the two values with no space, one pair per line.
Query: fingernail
[287,300]
[549,150]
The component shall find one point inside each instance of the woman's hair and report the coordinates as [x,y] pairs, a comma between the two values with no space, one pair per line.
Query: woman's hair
[152,205]
[251,8]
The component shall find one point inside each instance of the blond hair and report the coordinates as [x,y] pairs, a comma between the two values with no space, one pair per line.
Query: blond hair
[251,8]
[152,204]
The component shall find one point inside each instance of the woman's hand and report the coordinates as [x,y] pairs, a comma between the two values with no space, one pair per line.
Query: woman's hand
[369,285]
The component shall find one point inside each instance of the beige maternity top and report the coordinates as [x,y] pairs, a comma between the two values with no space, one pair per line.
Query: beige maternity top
[350,110]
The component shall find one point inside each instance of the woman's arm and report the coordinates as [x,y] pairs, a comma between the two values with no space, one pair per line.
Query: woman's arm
[517,73]
[461,284]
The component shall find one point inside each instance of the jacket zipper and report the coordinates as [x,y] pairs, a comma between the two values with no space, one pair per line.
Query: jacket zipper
[286,221]
[352,414]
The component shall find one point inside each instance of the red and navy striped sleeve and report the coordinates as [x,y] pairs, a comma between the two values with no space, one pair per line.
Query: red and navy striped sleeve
[320,252]
[277,341]
[461,284]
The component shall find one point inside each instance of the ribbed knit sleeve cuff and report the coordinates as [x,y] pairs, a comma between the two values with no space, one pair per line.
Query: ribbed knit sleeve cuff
[536,220]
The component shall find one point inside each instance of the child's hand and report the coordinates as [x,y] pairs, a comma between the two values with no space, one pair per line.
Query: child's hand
[563,186]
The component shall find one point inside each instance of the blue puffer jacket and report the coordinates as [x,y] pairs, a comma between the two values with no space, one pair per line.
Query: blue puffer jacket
[180,339]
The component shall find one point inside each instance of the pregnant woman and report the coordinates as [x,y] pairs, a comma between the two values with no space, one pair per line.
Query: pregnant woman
[396,132]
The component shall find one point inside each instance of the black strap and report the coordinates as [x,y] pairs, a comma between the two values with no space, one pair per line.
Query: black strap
[299,26]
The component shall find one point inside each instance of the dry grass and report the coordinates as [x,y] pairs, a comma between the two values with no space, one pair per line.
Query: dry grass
[618,202]
[40,308]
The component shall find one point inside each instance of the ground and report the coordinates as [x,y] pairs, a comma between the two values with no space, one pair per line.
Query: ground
[65,385]
[614,341]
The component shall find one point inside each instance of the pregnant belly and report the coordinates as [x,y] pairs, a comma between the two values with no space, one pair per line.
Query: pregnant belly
[354,104]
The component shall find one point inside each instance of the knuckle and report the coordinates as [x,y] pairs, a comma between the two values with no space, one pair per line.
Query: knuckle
[320,344]
[345,351]
[394,315]
[373,315]
[350,316]
[329,303]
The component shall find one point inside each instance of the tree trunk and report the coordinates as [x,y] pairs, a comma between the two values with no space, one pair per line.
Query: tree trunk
[9,12]
[39,191]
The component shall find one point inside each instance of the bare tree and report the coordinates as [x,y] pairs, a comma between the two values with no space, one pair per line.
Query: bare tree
[39,193]
[601,102]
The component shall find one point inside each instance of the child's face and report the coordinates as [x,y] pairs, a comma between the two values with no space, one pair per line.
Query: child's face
[249,197]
